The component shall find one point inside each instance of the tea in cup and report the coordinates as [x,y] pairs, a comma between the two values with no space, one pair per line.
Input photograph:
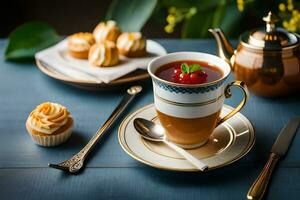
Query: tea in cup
[189,91]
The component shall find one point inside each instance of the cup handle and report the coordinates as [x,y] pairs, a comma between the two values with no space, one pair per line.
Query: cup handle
[227,93]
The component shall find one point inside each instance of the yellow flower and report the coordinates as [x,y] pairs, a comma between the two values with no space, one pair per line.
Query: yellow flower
[240,5]
[171,19]
[281,7]
[172,10]
[290,16]
[295,12]
[193,10]
[290,7]
[177,15]
[285,24]
[169,28]
[293,21]
[292,28]
[241,8]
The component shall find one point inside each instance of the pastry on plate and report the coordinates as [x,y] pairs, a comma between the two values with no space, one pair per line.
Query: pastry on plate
[106,31]
[131,44]
[104,54]
[49,124]
[79,44]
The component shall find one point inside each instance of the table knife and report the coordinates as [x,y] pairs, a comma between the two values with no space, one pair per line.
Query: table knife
[279,149]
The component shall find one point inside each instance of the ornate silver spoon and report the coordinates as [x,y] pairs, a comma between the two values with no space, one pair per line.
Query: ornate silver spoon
[74,164]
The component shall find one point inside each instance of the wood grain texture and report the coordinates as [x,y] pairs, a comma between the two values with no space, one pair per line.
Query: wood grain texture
[228,183]
[111,173]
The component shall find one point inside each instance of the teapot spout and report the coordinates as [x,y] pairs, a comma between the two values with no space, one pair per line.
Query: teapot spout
[225,50]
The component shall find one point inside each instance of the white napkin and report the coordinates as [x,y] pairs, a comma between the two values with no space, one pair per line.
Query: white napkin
[58,59]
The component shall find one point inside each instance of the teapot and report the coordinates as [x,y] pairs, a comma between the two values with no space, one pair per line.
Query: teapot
[267,59]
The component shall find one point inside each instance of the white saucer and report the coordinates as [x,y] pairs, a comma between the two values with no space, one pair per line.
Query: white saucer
[229,142]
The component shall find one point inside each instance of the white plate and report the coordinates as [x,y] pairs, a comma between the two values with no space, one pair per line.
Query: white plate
[57,63]
[229,142]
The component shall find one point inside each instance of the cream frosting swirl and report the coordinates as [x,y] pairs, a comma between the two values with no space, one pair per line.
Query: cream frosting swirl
[132,41]
[48,117]
[104,54]
[106,31]
[80,41]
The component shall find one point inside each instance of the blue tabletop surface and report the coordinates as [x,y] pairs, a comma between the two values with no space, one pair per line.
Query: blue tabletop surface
[110,172]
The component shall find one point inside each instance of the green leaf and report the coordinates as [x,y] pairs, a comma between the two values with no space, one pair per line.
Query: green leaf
[232,20]
[217,13]
[28,39]
[185,68]
[131,15]
[178,3]
[198,25]
[194,67]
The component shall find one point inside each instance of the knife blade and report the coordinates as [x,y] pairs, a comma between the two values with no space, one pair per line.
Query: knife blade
[285,137]
[279,149]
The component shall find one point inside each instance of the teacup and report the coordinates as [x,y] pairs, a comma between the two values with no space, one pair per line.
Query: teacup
[191,112]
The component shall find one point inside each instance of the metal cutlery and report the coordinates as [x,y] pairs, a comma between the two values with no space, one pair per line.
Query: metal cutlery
[75,163]
[155,132]
[279,149]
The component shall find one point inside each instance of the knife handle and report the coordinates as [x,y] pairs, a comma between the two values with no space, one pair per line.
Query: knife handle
[259,187]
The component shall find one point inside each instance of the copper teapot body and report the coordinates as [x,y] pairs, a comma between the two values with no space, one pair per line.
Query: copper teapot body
[270,69]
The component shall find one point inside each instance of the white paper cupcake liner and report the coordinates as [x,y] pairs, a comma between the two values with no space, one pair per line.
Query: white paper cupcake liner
[52,140]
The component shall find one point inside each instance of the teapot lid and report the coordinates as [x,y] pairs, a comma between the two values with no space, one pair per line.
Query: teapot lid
[269,38]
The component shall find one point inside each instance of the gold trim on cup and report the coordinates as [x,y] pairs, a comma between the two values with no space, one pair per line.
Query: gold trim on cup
[227,92]
[189,104]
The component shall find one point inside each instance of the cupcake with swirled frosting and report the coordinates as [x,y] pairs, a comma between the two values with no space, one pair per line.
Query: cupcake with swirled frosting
[104,54]
[106,31]
[49,124]
[131,44]
[79,44]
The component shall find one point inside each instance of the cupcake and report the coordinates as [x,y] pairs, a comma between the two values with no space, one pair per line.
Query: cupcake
[104,54]
[49,124]
[131,44]
[79,44]
[106,31]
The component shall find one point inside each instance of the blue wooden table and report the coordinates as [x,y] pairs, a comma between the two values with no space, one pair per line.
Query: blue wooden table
[110,172]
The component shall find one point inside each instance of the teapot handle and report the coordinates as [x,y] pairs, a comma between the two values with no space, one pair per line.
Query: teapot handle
[227,92]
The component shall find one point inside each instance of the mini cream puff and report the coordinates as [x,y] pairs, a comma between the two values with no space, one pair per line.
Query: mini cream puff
[49,124]
[131,44]
[104,54]
[79,44]
[106,31]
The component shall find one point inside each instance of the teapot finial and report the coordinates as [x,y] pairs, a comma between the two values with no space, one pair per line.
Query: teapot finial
[270,20]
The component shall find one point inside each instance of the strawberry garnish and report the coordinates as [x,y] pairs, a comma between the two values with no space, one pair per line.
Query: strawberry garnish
[189,74]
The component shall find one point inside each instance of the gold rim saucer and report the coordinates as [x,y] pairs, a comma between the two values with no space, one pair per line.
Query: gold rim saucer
[229,142]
